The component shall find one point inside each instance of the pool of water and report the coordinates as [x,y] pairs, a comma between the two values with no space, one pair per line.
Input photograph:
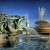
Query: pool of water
[29,43]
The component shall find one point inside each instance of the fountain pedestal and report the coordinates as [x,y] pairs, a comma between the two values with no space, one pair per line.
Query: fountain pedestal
[42,28]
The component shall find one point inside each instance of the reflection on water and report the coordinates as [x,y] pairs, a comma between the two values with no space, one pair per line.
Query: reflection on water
[29,43]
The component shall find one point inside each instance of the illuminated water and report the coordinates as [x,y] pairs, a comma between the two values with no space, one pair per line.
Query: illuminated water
[29,44]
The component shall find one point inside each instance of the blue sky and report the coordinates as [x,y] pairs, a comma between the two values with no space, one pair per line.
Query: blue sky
[22,7]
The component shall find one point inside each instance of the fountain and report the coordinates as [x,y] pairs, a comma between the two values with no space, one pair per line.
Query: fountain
[17,37]
[42,25]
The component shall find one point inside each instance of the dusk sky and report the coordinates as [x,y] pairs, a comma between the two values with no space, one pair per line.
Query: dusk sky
[22,7]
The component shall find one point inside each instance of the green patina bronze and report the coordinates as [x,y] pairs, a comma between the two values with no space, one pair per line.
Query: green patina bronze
[11,28]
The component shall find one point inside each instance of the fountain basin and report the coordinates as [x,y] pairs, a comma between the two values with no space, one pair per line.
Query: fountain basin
[43,30]
[42,38]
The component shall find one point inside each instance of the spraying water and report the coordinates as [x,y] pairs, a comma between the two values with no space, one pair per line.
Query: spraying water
[42,12]
[31,30]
